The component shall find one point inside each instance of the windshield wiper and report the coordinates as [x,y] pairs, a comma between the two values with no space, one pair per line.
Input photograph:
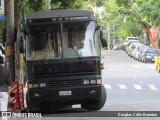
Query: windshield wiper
[45,55]
[77,53]
[46,52]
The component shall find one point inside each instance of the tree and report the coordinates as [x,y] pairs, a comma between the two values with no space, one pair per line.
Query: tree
[149,10]
[111,16]
[22,8]
[74,4]
[1,28]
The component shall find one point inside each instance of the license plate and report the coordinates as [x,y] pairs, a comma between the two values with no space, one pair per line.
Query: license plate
[65,93]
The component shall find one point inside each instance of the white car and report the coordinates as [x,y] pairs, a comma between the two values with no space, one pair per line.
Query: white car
[142,50]
[136,51]
[130,42]
[131,48]
[132,38]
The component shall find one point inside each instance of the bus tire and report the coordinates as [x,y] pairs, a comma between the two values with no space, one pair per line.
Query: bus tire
[96,104]
[32,107]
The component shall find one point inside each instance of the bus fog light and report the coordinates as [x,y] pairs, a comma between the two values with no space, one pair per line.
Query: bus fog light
[92,92]
[36,95]
[86,82]
[93,81]
[35,85]
[43,85]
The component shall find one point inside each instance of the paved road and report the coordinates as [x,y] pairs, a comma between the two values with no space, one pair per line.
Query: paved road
[131,85]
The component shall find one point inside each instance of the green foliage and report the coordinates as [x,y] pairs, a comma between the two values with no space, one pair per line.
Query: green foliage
[74,4]
[109,15]
[150,10]
[1,27]
[129,29]
[124,3]
[66,4]
[31,6]
[100,3]
[38,5]
[115,18]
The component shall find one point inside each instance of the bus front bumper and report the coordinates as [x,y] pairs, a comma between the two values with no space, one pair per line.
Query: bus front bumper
[68,95]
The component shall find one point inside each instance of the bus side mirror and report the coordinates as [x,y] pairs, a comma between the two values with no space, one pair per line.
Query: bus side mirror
[21,44]
[103,39]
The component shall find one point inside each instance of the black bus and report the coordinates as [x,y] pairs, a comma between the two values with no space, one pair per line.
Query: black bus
[62,49]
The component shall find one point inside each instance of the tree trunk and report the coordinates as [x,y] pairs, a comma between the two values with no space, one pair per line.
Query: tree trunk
[18,19]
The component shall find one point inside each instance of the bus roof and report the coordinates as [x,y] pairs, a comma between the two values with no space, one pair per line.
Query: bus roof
[57,13]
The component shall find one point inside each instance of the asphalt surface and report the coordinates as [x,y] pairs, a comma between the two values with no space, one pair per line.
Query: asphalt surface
[130,84]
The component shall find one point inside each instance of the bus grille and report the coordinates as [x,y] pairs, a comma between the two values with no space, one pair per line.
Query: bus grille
[64,83]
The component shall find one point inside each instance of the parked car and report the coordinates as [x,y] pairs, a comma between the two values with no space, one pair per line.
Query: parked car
[132,38]
[131,48]
[117,47]
[142,50]
[149,55]
[138,50]
[125,43]
[130,42]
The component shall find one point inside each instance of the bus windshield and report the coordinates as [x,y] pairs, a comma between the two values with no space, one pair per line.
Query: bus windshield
[62,40]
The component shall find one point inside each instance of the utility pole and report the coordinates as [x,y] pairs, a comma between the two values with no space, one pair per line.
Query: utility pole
[114,35]
[109,41]
[10,45]
[49,4]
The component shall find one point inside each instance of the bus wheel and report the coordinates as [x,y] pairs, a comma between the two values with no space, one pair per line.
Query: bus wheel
[96,104]
[32,107]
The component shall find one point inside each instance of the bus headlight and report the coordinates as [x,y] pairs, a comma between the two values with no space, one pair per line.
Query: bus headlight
[36,95]
[42,84]
[93,81]
[85,82]
[35,85]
